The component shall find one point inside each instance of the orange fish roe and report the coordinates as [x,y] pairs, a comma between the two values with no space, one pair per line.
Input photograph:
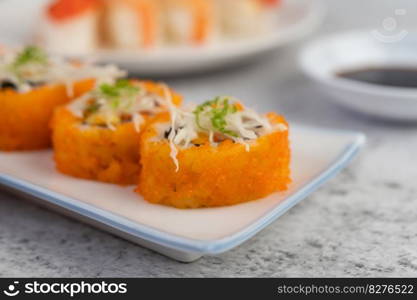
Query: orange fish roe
[25,117]
[148,13]
[213,176]
[97,152]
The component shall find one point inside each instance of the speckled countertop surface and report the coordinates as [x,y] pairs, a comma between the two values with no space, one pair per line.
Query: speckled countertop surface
[362,223]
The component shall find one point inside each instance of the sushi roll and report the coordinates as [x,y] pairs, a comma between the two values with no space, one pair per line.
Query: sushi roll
[32,85]
[71,26]
[216,154]
[132,24]
[190,22]
[82,26]
[97,136]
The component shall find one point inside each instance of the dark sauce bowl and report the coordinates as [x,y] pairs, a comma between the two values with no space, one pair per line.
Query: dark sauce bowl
[365,73]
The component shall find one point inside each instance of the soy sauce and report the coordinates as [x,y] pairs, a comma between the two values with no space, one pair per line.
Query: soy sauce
[386,76]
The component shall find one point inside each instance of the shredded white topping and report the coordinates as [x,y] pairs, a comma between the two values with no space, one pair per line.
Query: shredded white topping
[220,120]
[32,72]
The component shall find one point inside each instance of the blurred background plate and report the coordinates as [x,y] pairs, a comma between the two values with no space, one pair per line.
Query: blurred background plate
[323,59]
[297,18]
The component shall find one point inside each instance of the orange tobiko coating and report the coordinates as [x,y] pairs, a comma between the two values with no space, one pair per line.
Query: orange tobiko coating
[213,176]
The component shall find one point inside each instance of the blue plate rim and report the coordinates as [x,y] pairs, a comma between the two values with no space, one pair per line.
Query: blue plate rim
[189,245]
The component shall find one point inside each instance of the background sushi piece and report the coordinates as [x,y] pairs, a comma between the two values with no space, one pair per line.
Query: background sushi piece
[97,152]
[190,22]
[71,26]
[243,18]
[130,24]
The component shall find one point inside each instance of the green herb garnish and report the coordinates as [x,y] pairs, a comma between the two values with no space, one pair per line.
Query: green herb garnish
[30,54]
[216,110]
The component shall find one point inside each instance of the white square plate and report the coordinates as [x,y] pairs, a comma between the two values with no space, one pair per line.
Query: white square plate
[185,235]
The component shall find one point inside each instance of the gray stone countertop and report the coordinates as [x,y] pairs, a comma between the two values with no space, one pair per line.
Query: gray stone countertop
[361,223]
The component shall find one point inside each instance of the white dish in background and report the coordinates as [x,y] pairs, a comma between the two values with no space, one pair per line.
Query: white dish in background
[185,235]
[324,58]
[297,18]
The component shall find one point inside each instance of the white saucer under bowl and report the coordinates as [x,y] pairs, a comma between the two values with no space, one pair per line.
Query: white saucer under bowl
[295,20]
[324,58]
